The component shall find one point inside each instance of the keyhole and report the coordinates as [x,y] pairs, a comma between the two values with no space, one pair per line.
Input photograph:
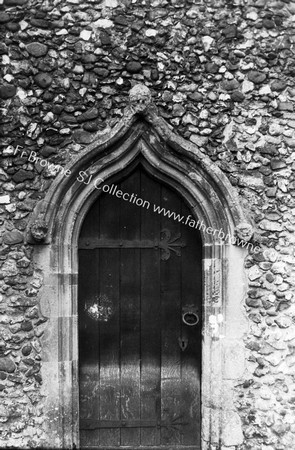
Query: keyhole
[183,343]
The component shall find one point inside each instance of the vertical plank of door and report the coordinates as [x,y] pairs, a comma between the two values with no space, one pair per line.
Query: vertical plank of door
[88,332]
[130,314]
[170,299]
[150,315]
[110,330]
[191,356]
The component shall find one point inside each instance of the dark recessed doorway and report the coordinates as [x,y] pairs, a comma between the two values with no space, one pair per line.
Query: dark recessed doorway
[140,291]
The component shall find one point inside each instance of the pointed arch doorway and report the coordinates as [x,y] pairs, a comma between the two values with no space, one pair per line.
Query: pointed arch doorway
[140,305]
[54,230]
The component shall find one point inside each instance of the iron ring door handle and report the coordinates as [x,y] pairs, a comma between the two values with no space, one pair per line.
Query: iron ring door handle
[190,318]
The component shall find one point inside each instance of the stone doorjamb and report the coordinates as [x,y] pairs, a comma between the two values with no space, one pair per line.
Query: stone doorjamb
[141,136]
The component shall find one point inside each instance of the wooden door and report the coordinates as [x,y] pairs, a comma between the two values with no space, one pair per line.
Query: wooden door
[139,299]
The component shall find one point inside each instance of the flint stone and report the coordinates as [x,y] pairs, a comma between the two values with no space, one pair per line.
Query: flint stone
[40,23]
[91,126]
[277,164]
[12,26]
[13,237]
[43,80]
[7,91]
[230,32]
[9,268]
[57,109]
[283,321]
[281,428]
[78,68]
[271,192]
[196,96]
[253,302]
[154,74]
[133,67]
[36,49]
[289,335]
[89,59]
[22,175]
[251,181]
[237,96]
[192,13]
[265,170]
[254,273]
[156,13]
[286,106]
[256,77]
[101,72]
[111,3]
[26,325]
[188,87]
[6,364]
[290,142]
[85,35]
[268,305]
[68,118]
[212,96]
[121,20]
[230,85]
[269,149]
[105,39]
[48,151]
[3,49]
[103,23]
[198,140]
[268,23]
[269,277]
[212,67]
[178,111]
[279,267]
[3,411]
[207,41]
[4,17]
[88,115]
[4,199]
[265,265]
[283,305]
[274,359]
[167,96]
[270,226]
[278,85]
[266,348]
[82,137]
[252,15]
[189,118]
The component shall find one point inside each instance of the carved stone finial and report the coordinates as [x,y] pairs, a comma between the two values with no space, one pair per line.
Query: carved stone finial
[244,231]
[39,230]
[140,98]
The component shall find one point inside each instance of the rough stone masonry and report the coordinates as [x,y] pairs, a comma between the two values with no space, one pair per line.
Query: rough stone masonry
[222,74]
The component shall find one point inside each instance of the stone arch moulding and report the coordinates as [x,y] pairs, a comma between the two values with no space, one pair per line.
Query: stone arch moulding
[54,228]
